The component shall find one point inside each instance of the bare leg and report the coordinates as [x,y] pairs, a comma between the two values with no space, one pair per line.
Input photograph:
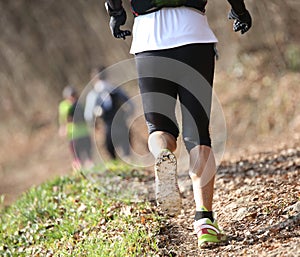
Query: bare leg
[159,140]
[202,172]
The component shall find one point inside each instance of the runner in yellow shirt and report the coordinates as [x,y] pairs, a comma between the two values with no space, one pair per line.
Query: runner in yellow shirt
[72,126]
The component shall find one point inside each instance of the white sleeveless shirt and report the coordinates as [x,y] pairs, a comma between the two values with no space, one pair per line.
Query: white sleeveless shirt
[170,27]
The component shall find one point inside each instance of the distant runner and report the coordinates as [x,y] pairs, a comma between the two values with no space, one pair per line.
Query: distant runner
[72,125]
[105,102]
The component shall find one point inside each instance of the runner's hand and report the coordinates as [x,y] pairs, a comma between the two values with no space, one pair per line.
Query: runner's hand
[116,21]
[242,22]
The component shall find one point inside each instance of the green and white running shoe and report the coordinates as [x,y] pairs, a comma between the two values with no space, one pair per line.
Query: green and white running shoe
[208,233]
[167,190]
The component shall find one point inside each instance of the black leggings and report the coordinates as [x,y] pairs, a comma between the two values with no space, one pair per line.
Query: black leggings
[162,80]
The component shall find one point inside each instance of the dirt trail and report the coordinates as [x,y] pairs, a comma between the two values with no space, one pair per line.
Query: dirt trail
[257,202]
[258,205]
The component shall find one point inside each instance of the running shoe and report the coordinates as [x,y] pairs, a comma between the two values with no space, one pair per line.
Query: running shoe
[167,191]
[208,233]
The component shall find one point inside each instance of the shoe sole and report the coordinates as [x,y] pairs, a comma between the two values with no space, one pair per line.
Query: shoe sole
[209,244]
[167,191]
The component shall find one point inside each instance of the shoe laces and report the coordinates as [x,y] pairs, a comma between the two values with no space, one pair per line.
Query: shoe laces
[204,226]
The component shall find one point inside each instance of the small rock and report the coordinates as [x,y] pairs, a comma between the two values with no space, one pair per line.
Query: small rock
[296,207]
[231,206]
[248,233]
[251,173]
[241,213]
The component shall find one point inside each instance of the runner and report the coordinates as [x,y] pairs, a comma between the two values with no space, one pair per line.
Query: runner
[178,30]
[72,126]
[105,102]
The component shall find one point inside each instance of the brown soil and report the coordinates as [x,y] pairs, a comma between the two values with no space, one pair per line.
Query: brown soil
[257,203]
[28,160]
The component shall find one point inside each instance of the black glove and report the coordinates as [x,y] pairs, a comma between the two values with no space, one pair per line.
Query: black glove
[117,19]
[242,22]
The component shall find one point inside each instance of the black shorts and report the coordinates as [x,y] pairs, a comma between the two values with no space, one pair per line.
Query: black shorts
[162,80]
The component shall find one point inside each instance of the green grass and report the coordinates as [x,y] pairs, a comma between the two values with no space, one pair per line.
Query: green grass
[73,216]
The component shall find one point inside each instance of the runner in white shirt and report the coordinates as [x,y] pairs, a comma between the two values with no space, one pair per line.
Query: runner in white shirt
[105,101]
[175,57]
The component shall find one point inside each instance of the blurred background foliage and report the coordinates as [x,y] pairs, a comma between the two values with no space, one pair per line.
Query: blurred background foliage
[47,44]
